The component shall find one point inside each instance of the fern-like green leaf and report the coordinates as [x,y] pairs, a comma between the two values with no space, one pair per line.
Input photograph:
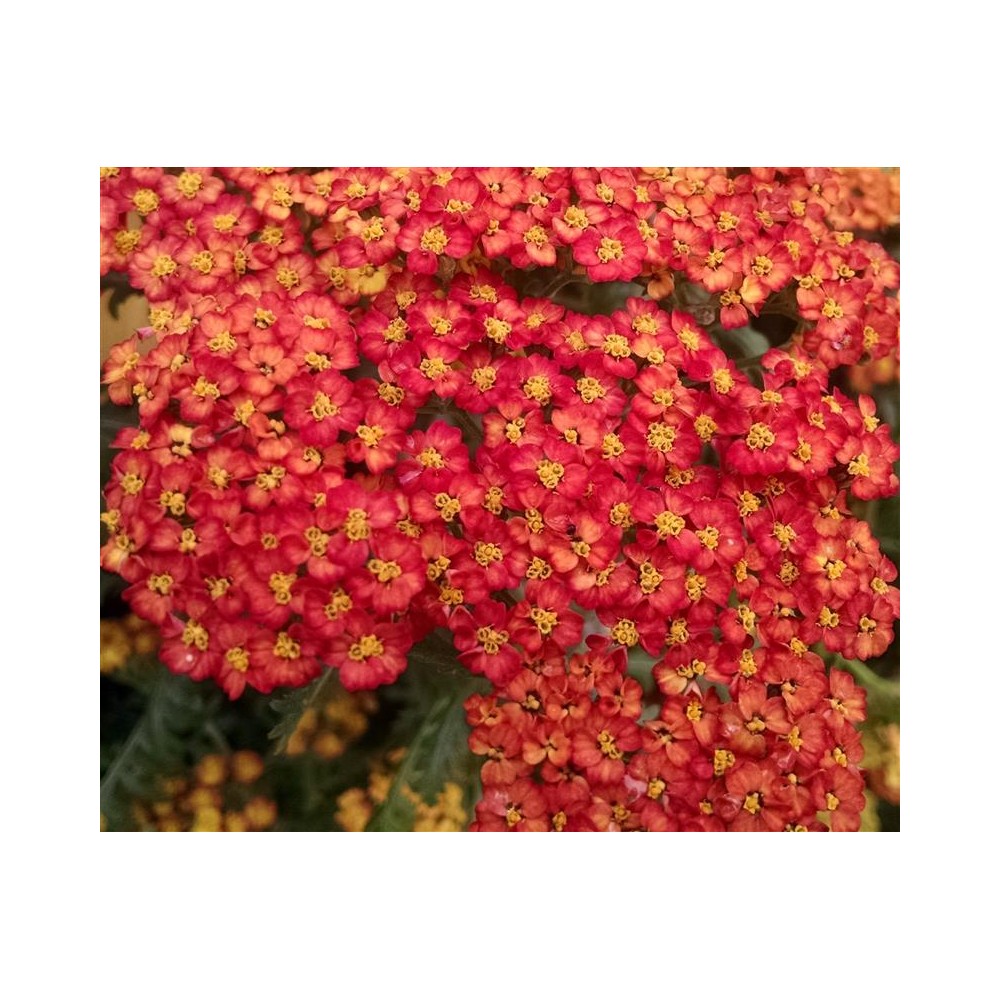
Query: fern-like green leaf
[165,740]
[290,707]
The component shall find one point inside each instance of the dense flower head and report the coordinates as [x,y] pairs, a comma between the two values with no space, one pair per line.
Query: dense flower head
[355,426]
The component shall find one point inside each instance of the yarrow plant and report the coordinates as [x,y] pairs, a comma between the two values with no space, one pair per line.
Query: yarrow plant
[510,407]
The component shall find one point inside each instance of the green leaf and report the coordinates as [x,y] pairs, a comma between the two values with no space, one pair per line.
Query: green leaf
[291,707]
[438,753]
[744,342]
[111,586]
[164,741]
[434,729]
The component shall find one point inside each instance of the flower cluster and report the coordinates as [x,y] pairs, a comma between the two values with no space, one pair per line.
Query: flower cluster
[356,806]
[329,729]
[354,429]
[221,794]
[569,747]
[123,638]
[872,201]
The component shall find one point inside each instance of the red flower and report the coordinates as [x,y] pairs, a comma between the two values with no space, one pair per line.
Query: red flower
[752,801]
[518,807]
[531,242]
[611,251]
[543,617]
[368,652]
[483,641]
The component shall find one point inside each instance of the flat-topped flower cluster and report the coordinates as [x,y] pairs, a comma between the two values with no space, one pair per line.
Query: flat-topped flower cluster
[353,430]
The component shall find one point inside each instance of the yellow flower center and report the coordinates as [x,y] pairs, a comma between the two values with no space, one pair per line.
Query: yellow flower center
[785,534]
[486,293]
[678,634]
[538,569]
[323,407]
[271,479]
[145,201]
[858,466]
[384,572]
[669,523]
[433,368]
[545,621]
[160,583]
[493,501]
[173,502]
[496,329]
[748,619]
[189,184]
[610,249]
[620,515]
[448,505]
[617,346]
[708,536]
[356,525]
[163,266]
[339,604]
[195,635]
[611,446]
[430,458]
[126,240]
[281,196]
[491,640]
[726,222]
[486,553]
[760,437]
[722,760]
[549,473]
[537,387]
[536,235]
[434,240]
[608,746]
[238,658]
[650,578]
[484,378]
[828,618]
[280,584]
[365,648]
[625,632]
[370,436]
[695,585]
[318,540]
[436,568]
[705,427]
[661,437]
[834,568]
[374,231]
